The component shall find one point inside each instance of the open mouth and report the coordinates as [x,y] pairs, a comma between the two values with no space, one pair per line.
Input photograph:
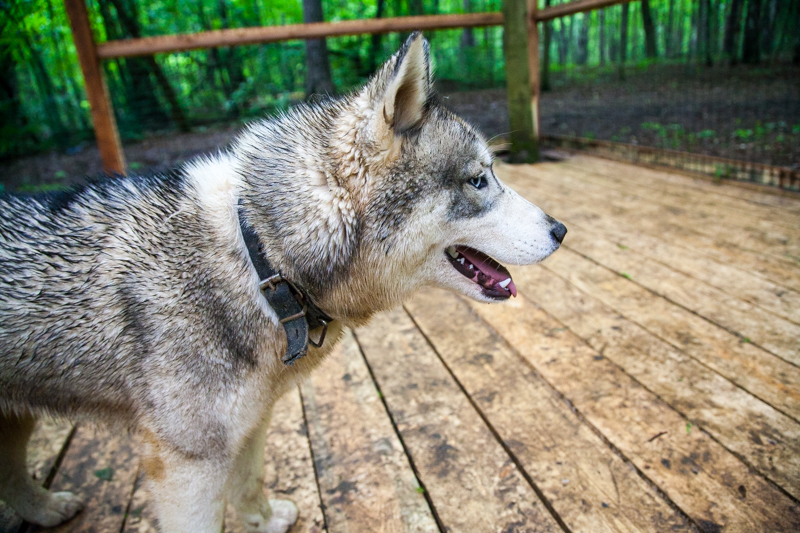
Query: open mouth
[494,278]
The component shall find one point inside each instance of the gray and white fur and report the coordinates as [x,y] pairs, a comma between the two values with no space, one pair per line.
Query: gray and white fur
[132,300]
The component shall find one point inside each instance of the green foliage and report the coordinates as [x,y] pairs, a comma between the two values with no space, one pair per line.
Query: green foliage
[46,106]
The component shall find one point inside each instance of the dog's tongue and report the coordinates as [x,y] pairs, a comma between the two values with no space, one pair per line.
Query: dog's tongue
[488,266]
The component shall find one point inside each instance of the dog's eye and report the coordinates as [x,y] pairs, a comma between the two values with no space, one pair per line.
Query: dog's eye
[478,182]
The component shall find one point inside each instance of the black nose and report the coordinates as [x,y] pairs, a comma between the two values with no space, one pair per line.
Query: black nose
[558,231]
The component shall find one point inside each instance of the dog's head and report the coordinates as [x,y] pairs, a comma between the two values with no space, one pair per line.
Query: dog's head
[407,199]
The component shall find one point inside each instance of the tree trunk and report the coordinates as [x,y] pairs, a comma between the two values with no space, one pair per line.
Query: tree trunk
[40,74]
[318,68]
[796,33]
[571,38]
[768,28]
[704,32]
[11,115]
[650,50]
[751,50]
[547,38]
[669,36]
[583,40]
[562,41]
[375,41]
[142,68]
[733,25]
[232,63]
[467,36]
[601,48]
[623,41]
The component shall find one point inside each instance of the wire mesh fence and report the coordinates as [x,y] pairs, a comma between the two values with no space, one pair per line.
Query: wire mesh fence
[691,83]
[691,94]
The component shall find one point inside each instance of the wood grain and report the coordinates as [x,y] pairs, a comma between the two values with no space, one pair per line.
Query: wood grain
[590,487]
[774,334]
[472,481]
[746,232]
[575,6]
[288,32]
[550,187]
[764,437]
[101,467]
[707,482]
[46,443]
[365,479]
[762,374]
[103,120]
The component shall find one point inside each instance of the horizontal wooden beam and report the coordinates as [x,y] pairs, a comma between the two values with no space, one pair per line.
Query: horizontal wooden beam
[571,8]
[269,34]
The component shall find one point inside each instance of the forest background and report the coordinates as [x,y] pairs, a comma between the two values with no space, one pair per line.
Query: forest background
[715,76]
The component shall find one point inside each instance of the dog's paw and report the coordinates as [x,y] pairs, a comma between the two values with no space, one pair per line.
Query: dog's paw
[58,508]
[281,519]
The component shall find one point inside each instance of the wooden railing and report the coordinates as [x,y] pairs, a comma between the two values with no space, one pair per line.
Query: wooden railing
[521,45]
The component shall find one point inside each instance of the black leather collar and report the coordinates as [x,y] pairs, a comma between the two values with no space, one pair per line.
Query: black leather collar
[295,309]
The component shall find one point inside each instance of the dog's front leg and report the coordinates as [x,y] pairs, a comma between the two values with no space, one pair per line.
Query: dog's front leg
[188,492]
[246,489]
[17,488]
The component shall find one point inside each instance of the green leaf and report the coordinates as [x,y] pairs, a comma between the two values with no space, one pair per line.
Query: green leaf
[105,474]
[688,427]
[625,275]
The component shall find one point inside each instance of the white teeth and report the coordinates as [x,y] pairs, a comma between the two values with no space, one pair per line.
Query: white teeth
[452,251]
[462,261]
[505,283]
[471,267]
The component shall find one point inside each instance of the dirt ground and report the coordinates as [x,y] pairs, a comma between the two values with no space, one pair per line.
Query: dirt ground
[747,114]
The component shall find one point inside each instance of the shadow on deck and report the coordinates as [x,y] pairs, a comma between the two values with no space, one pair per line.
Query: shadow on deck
[646,379]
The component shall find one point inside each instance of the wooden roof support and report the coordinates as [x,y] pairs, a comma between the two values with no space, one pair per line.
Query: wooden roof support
[105,125]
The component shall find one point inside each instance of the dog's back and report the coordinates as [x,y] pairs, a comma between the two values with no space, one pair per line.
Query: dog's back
[88,293]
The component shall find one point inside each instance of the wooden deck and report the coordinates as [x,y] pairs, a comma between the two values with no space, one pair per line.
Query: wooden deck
[647,378]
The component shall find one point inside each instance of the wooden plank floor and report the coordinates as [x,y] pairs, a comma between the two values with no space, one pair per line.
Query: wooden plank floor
[647,378]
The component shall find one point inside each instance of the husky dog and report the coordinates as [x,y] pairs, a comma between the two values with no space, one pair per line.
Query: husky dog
[134,300]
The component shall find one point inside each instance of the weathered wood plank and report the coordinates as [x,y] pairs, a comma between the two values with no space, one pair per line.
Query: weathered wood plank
[270,34]
[695,192]
[764,437]
[653,187]
[731,279]
[750,233]
[289,468]
[711,485]
[141,516]
[99,466]
[46,443]
[775,205]
[103,121]
[472,481]
[590,487]
[775,335]
[760,373]
[546,185]
[365,479]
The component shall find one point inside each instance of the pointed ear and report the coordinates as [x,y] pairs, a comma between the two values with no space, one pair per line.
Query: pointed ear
[403,99]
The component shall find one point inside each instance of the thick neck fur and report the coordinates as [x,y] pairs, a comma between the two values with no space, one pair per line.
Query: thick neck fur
[306,184]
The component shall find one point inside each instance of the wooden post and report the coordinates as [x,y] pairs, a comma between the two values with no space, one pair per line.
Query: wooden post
[524,145]
[105,126]
[533,65]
